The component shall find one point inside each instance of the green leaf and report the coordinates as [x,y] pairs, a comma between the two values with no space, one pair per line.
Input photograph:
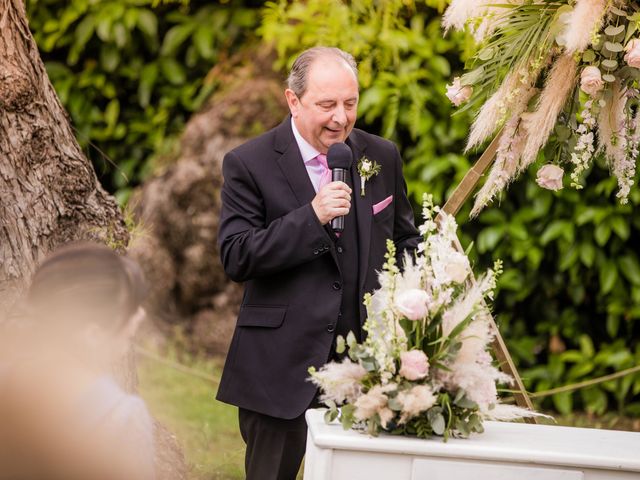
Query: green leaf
[351,339]
[111,113]
[587,253]
[630,268]
[602,234]
[120,34]
[84,31]
[595,400]
[489,237]
[588,56]
[472,77]
[620,226]
[518,231]
[175,37]
[173,71]
[613,30]
[147,22]
[109,57]
[608,276]
[437,424]
[563,402]
[203,40]
[613,325]
[148,78]
[556,229]
[586,346]
[340,344]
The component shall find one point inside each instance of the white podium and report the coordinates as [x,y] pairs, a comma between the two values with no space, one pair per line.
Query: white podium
[506,451]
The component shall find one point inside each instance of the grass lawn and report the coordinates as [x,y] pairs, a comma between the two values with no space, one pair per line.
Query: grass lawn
[206,428]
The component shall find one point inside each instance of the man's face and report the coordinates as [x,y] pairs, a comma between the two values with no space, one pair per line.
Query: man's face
[327,111]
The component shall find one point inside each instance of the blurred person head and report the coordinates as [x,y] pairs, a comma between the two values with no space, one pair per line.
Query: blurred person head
[63,413]
[89,298]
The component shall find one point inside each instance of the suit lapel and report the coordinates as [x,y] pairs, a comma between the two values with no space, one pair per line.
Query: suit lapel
[364,210]
[292,165]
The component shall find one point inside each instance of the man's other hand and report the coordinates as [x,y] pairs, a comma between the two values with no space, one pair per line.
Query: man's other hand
[333,200]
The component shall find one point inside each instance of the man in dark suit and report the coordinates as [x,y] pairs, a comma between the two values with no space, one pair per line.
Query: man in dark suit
[303,283]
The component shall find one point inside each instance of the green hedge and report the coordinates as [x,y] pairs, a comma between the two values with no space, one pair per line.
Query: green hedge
[131,72]
[569,299]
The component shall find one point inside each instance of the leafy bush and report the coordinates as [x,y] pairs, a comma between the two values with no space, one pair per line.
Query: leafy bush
[130,72]
[570,293]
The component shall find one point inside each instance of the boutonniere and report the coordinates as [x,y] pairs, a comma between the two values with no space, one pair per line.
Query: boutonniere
[367,169]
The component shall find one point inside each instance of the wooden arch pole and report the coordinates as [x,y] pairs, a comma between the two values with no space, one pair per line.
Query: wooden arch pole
[451,207]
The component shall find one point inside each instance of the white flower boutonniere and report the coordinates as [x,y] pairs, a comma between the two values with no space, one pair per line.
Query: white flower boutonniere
[367,169]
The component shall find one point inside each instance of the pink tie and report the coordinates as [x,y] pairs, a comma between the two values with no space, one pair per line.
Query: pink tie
[325,177]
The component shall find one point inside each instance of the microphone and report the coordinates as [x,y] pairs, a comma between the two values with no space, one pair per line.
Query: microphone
[339,160]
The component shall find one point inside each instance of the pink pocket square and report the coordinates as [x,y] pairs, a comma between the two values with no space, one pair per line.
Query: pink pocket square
[378,207]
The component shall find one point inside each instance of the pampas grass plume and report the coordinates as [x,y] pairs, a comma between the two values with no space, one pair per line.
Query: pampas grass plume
[584,20]
[560,83]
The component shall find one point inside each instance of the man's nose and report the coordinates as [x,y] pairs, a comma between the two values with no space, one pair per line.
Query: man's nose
[340,115]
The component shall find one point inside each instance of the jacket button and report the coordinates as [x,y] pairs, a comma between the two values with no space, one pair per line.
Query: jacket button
[315,252]
[339,249]
[331,328]
[336,286]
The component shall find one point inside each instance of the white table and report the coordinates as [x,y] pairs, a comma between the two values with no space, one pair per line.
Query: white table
[506,451]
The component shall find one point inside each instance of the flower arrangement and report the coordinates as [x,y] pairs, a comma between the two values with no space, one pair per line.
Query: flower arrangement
[556,76]
[424,368]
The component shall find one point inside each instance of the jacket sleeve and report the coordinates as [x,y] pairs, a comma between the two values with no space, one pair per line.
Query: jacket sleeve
[251,248]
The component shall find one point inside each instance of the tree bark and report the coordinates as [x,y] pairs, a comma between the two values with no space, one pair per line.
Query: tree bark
[49,193]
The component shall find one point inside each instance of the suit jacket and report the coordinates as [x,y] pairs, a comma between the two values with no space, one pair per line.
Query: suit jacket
[271,239]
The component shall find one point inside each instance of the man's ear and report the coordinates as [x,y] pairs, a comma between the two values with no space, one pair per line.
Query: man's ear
[293,101]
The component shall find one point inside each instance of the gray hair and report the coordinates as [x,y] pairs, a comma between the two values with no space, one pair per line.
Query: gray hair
[297,80]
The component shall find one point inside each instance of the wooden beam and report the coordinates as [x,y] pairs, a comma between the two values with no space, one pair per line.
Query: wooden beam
[451,207]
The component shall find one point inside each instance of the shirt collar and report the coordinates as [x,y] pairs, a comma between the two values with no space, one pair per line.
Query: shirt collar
[306,150]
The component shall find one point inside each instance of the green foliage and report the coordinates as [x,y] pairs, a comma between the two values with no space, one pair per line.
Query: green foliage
[129,72]
[404,65]
[568,300]
[571,270]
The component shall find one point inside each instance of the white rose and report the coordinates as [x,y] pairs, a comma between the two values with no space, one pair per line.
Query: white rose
[412,303]
[366,166]
[457,268]
[457,93]
[591,80]
[633,53]
[550,177]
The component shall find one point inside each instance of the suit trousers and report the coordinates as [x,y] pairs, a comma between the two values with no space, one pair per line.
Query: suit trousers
[275,446]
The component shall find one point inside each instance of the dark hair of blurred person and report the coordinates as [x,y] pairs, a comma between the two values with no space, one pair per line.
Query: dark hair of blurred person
[63,415]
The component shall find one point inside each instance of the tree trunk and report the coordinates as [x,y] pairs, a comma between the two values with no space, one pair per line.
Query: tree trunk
[49,193]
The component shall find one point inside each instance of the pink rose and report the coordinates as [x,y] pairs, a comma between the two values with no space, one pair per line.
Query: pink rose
[412,303]
[591,80]
[550,177]
[457,93]
[414,365]
[633,53]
